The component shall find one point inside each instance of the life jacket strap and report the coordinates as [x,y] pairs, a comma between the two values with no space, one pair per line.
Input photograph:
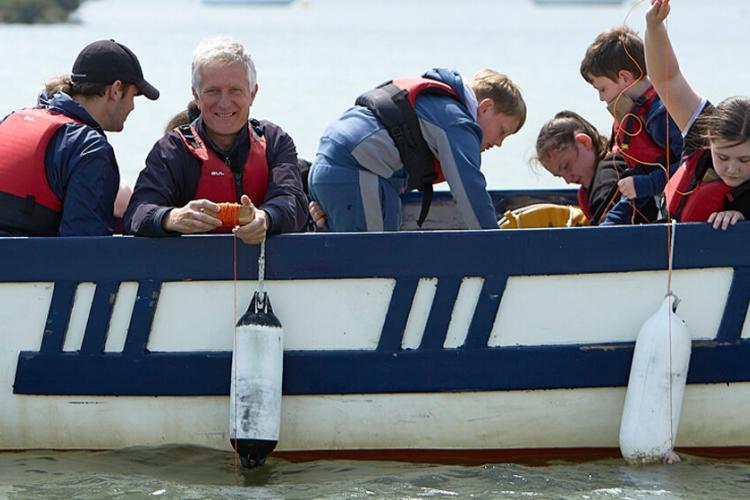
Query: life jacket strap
[426,202]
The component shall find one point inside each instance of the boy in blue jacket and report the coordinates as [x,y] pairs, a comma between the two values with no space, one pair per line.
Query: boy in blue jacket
[408,134]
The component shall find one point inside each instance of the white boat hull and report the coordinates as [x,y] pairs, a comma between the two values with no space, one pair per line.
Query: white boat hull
[480,343]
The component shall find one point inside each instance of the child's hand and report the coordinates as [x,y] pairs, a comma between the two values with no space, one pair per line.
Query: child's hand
[318,214]
[724,219]
[657,13]
[627,187]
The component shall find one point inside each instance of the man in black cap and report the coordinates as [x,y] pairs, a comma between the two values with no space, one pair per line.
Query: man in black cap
[58,173]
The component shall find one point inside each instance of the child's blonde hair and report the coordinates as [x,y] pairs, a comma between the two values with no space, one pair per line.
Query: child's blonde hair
[504,93]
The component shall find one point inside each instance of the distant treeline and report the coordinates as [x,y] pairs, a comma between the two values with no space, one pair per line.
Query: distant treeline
[37,11]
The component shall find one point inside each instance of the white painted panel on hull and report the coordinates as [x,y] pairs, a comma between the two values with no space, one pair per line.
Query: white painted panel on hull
[572,309]
[23,317]
[463,312]
[79,316]
[316,314]
[121,314]
[420,312]
[713,415]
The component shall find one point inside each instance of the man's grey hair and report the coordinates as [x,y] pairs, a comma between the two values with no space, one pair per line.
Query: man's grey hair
[221,49]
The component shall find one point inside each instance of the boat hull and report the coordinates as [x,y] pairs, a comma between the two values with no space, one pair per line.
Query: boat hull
[404,345]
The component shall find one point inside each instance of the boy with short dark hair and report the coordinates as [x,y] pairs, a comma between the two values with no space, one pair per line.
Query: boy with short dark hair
[615,65]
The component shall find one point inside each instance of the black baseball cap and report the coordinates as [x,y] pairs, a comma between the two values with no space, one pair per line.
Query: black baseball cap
[105,61]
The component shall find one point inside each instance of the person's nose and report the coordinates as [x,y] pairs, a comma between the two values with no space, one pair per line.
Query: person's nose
[733,166]
[224,99]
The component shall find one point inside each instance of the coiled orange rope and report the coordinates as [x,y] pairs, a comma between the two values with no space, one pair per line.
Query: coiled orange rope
[229,214]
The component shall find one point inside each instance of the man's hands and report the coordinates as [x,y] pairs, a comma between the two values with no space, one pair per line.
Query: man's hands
[201,216]
[198,216]
[254,231]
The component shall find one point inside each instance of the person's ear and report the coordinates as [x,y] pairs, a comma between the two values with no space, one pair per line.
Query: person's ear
[626,77]
[485,105]
[253,93]
[115,90]
[584,140]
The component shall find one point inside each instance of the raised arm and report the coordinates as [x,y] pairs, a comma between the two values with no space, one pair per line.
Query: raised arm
[664,70]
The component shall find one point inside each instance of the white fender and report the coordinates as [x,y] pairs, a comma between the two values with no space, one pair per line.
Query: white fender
[255,393]
[649,420]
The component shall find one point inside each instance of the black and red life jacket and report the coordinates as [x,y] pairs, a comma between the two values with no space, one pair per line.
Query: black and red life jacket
[27,203]
[393,103]
[630,140]
[689,199]
[583,202]
[603,188]
[217,181]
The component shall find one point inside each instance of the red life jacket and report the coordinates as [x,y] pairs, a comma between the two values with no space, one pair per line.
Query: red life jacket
[630,139]
[583,202]
[27,203]
[691,200]
[217,182]
[393,103]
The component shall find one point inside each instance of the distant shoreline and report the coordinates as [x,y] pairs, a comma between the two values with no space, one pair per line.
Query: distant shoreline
[37,11]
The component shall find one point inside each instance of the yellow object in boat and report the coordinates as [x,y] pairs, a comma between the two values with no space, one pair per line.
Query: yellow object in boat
[543,215]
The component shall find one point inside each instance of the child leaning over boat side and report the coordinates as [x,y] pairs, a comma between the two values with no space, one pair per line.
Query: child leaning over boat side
[442,124]
[707,187]
[570,147]
[614,64]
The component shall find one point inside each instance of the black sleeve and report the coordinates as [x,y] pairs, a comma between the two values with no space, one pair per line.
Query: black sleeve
[168,180]
[603,192]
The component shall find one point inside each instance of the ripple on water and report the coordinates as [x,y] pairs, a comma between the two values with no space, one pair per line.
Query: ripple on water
[189,472]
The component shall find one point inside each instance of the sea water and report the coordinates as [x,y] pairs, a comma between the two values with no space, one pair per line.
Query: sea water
[188,472]
[313,58]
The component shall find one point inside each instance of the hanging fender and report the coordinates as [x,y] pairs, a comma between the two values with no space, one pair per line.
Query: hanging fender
[653,401]
[255,392]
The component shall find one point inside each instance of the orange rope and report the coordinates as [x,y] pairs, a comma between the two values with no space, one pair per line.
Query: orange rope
[669,225]
[229,214]
[234,341]
[670,246]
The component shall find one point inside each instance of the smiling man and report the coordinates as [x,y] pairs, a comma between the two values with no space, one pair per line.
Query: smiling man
[222,156]
[409,134]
